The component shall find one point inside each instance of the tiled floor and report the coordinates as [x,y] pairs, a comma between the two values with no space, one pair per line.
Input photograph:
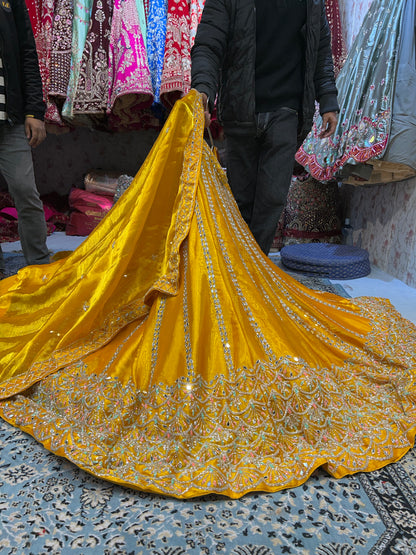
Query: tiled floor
[377,284]
[380,284]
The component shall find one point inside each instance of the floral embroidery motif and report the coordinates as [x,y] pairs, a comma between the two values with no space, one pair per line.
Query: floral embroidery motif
[130,87]
[364,122]
[92,88]
[176,75]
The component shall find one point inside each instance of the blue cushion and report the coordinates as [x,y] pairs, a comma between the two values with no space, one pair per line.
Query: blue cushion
[327,260]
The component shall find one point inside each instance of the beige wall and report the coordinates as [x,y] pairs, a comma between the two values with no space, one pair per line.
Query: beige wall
[384,222]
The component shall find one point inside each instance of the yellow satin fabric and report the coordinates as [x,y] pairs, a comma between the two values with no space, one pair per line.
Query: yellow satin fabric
[167,353]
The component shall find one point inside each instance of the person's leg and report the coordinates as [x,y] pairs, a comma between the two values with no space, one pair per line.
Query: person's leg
[242,160]
[16,165]
[277,157]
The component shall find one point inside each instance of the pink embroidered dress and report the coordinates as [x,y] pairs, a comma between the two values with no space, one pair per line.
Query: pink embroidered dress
[130,88]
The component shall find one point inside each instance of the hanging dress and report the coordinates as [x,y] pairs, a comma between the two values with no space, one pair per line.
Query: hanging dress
[339,51]
[195,13]
[367,94]
[169,354]
[130,88]
[141,11]
[176,74]
[61,48]
[80,24]
[311,213]
[33,8]
[41,14]
[156,40]
[146,9]
[91,94]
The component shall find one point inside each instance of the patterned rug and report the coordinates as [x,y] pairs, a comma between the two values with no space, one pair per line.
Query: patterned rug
[48,505]
[313,282]
[13,262]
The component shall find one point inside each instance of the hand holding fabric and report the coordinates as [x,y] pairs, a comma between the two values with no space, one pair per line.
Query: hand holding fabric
[329,124]
[206,110]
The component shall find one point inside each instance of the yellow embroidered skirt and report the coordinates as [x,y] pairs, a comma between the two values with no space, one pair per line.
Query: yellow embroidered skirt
[167,353]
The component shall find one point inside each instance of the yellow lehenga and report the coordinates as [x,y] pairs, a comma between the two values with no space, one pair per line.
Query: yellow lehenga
[167,353]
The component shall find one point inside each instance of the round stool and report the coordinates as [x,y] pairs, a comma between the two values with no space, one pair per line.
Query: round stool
[327,260]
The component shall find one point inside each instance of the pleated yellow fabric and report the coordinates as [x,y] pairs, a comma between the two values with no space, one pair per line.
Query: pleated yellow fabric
[167,353]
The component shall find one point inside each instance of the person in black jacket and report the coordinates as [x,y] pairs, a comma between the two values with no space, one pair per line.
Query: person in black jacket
[265,63]
[21,126]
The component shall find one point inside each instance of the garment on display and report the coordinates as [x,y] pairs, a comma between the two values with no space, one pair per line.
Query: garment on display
[176,74]
[104,64]
[130,88]
[167,353]
[339,50]
[90,93]
[311,214]
[374,140]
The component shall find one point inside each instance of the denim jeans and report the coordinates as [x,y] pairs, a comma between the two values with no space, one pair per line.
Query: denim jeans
[259,170]
[16,166]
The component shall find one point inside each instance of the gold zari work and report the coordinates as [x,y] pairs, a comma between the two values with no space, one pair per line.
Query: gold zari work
[167,353]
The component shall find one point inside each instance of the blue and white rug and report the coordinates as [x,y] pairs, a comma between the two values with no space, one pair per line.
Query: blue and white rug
[48,505]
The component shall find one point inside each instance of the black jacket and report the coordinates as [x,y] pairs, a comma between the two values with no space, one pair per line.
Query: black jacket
[224,54]
[20,62]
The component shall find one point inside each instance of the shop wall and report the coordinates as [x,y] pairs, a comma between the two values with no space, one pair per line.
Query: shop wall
[61,161]
[383,218]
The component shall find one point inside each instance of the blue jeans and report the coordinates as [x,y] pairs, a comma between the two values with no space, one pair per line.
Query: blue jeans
[259,170]
[16,166]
